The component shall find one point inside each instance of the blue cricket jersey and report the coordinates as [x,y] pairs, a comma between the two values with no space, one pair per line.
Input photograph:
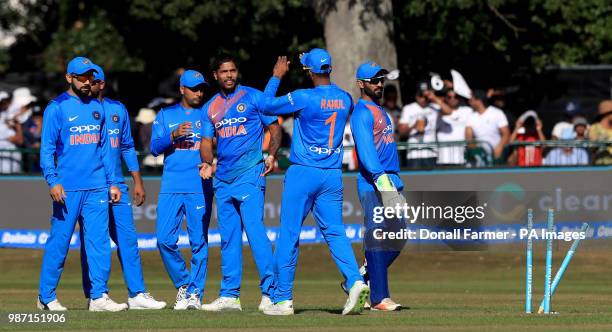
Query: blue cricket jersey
[238,123]
[74,131]
[375,142]
[120,137]
[181,156]
[320,115]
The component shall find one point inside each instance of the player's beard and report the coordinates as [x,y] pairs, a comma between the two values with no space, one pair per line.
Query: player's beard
[83,92]
[374,95]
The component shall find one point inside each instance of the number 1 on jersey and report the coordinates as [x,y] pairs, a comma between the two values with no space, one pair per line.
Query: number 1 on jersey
[332,120]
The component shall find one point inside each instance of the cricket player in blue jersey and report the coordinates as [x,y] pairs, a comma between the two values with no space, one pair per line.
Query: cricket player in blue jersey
[314,180]
[81,183]
[121,223]
[234,116]
[176,135]
[378,182]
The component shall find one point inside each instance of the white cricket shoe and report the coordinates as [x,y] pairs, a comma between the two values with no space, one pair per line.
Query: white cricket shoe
[105,303]
[54,305]
[223,304]
[358,295]
[145,301]
[387,305]
[193,302]
[283,308]
[265,302]
[181,299]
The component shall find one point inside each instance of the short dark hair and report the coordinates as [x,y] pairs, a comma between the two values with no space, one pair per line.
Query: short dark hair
[221,59]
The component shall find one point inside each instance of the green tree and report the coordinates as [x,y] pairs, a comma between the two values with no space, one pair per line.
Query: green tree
[509,35]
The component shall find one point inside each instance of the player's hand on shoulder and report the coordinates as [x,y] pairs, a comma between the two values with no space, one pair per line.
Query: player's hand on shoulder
[57,193]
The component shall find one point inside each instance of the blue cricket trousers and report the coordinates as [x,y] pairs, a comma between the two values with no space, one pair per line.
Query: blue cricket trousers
[240,206]
[320,190]
[92,207]
[123,233]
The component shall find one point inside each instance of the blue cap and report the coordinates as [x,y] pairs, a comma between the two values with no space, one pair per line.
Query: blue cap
[99,74]
[317,61]
[370,69]
[192,78]
[79,65]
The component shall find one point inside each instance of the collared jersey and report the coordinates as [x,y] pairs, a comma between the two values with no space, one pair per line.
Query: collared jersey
[320,115]
[374,139]
[237,121]
[74,132]
[181,156]
[120,137]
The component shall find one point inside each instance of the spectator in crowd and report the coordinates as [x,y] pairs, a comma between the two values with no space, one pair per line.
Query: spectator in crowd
[528,129]
[21,105]
[572,109]
[581,127]
[349,159]
[144,124]
[32,128]
[391,105]
[144,130]
[451,128]
[601,131]
[567,156]
[11,136]
[487,124]
[418,124]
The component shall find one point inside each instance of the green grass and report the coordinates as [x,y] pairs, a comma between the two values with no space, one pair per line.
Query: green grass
[445,291]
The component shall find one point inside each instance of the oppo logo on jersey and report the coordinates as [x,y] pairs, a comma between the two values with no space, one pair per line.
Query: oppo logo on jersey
[84,128]
[81,135]
[113,131]
[226,127]
[229,122]
[323,150]
[388,137]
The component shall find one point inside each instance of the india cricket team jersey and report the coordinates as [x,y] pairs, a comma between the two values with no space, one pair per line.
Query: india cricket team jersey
[374,139]
[320,116]
[120,137]
[181,156]
[74,132]
[238,123]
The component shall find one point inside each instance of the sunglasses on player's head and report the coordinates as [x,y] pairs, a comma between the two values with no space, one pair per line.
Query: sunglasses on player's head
[83,77]
[375,80]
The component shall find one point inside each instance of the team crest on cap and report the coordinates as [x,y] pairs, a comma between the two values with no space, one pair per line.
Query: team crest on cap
[85,61]
[373,64]
[198,124]
[115,118]
[197,75]
[96,115]
[241,107]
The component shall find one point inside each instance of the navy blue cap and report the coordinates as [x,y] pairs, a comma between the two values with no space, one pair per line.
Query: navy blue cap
[99,74]
[370,69]
[192,78]
[317,61]
[79,65]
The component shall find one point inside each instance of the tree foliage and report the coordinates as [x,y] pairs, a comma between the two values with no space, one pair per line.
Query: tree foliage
[505,36]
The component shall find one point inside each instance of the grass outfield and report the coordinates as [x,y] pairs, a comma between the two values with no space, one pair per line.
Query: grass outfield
[445,291]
